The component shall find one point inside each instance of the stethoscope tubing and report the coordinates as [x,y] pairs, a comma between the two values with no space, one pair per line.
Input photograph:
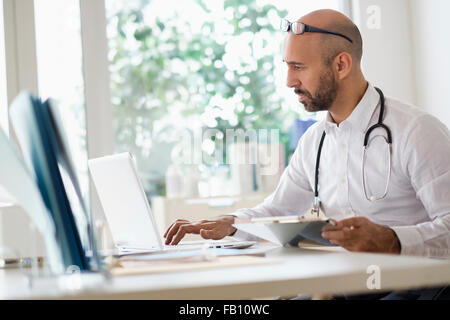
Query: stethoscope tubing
[367,140]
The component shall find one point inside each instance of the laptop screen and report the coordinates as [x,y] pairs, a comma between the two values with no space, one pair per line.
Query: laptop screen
[124,202]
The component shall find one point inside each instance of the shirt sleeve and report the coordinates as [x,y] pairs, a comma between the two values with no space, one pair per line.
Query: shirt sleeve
[293,195]
[427,163]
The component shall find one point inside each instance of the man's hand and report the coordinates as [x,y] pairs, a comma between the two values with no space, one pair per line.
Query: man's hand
[216,229]
[361,235]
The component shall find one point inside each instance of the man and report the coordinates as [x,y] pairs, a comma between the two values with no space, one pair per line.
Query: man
[324,69]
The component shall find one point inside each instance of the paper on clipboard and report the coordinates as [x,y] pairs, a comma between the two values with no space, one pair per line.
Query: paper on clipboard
[282,230]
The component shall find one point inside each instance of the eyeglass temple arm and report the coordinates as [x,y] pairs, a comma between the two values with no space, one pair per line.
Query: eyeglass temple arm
[314,29]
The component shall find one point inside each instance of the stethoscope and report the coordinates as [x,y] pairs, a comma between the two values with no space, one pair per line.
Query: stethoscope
[316,203]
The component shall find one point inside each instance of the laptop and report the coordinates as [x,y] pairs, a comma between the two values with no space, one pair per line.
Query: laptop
[130,218]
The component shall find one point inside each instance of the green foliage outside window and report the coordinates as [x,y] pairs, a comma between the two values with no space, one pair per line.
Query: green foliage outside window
[161,68]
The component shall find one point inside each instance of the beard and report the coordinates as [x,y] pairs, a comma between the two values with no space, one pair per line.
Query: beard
[325,94]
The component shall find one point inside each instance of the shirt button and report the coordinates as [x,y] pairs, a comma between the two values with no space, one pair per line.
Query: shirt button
[343,180]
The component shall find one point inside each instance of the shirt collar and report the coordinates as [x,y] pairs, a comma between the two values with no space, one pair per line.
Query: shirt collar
[361,115]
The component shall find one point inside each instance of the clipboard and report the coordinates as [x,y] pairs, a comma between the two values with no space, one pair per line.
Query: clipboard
[283,230]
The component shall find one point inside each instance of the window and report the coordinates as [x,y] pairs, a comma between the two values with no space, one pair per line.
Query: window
[60,72]
[194,65]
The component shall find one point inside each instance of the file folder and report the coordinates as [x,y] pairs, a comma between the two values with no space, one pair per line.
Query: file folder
[43,145]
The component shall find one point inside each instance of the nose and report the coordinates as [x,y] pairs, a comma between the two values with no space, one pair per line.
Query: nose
[292,81]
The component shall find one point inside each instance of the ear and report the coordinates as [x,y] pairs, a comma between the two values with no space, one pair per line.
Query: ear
[343,65]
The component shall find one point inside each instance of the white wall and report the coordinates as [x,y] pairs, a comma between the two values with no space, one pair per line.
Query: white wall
[431,42]
[408,56]
[387,59]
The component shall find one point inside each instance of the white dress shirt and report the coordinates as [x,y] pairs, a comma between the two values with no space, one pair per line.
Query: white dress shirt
[417,205]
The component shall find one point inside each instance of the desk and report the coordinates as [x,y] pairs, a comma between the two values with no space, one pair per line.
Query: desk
[300,271]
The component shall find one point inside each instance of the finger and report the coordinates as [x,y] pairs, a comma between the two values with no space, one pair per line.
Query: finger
[173,224]
[196,226]
[343,244]
[167,231]
[186,228]
[330,228]
[337,243]
[352,222]
[340,235]
[333,235]
[174,230]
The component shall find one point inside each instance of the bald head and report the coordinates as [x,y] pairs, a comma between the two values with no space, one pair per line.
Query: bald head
[323,67]
[331,45]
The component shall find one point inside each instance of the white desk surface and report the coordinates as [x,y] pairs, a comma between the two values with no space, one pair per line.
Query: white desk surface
[300,271]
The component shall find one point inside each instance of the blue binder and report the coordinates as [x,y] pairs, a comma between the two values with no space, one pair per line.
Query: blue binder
[44,149]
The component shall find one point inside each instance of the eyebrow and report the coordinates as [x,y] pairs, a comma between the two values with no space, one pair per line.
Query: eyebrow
[295,63]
